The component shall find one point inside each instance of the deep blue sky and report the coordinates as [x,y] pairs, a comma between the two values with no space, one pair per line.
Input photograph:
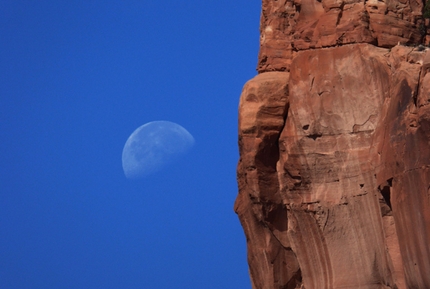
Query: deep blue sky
[76,79]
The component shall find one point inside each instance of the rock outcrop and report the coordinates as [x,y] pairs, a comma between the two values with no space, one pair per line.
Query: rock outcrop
[288,26]
[334,139]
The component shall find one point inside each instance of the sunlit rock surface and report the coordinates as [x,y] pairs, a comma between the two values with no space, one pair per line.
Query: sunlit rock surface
[288,26]
[334,169]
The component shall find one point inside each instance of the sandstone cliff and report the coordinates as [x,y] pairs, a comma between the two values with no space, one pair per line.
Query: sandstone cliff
[334,169]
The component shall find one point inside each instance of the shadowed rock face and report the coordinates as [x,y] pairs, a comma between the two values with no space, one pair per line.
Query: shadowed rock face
[334,169]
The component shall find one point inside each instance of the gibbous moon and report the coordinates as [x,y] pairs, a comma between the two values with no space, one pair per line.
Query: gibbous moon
[152,146]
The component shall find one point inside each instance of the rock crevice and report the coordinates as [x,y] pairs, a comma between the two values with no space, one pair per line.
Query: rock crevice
[334,169]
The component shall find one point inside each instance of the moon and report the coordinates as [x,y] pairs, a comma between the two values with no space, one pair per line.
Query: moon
[152,146]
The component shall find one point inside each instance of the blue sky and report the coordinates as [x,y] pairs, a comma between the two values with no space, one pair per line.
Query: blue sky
[76,79]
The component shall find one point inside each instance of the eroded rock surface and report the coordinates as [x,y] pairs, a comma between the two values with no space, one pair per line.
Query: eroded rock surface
[334,169]
[288,26]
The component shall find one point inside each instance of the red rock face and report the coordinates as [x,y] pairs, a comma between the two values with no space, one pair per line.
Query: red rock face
[334,169]
[288,26]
